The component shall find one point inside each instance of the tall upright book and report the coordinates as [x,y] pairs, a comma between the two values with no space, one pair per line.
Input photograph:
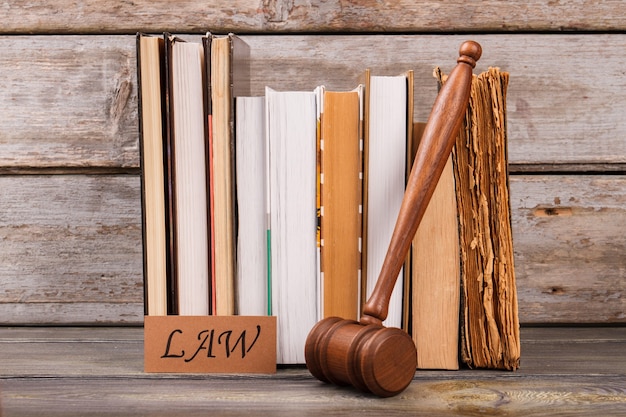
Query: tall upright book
[229,78]
[151,58]
[489,311]
[291,127]
[208,115]
[388,115]
[435,277]
[252,286]
[341,172]
[187,137]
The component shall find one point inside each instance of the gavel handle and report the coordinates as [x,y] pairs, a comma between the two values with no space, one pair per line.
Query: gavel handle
[432,154]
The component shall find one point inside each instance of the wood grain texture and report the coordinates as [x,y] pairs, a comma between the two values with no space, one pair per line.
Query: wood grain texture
[64,16]
[70,101]
[541,347]
[71,249]
[99,371]
[69,105]
[433,397]
[552,226]
[72,312]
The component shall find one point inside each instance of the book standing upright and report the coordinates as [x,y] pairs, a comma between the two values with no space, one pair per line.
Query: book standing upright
[252,242]
[490,322]
[228,79]
[291,127]
[341,169]
[150,51]
[435,277]
[189,208]
[388,110]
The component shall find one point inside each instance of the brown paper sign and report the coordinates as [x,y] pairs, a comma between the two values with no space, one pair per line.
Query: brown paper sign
[210,344]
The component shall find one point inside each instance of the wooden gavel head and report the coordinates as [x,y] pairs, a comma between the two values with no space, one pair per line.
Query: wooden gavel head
[372,358]
[364,353]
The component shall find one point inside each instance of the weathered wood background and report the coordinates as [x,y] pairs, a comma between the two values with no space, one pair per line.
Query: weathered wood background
[89,371]
[70,215]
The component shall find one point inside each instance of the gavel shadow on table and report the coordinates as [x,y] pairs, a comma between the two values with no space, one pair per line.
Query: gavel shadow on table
[364,353]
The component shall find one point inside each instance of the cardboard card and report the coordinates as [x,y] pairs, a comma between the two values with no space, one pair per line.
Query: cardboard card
[210,344]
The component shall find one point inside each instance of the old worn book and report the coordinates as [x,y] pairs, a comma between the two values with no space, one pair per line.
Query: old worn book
[291,134]
[388,115]
[187,130]
[490,323]
[228,78]
[151,58]
[341,172]
[252,286]
[435,277]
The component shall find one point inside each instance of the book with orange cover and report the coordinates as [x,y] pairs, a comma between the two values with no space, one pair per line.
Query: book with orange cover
[341,160]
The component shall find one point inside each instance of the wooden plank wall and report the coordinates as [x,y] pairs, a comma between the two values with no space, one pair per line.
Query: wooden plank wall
[70,215]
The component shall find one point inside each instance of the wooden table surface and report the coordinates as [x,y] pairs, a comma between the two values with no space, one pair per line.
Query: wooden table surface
[67,371]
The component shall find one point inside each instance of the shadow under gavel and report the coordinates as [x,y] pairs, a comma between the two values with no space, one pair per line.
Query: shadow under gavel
[364,353]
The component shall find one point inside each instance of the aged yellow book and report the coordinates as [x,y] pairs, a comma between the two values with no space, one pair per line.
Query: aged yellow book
[489,311]
[464,297]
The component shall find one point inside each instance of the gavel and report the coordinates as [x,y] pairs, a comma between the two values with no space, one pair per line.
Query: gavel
[365,354]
